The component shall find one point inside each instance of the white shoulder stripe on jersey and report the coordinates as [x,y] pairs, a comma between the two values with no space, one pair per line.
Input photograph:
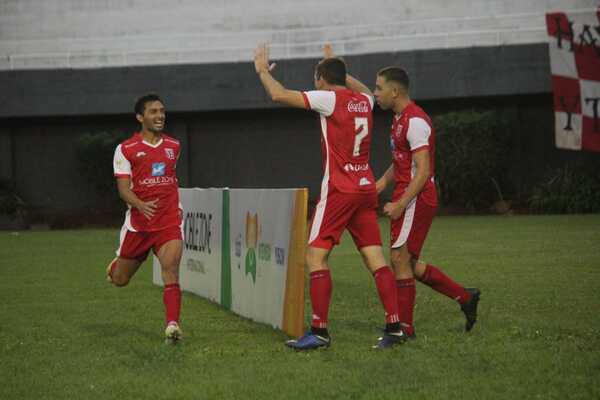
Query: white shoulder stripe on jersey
[418,132]
[132,144]
[121,165]
[321,101]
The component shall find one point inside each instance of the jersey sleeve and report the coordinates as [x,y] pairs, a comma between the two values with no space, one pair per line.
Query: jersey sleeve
[121,165]
[418,134]
[321,101]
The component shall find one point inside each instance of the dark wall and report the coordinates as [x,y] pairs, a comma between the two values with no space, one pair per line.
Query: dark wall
[245,148]
[436,74]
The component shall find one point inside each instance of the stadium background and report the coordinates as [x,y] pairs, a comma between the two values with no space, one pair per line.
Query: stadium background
[72,67]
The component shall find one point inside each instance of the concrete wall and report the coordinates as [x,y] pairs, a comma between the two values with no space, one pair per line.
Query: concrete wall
[435,74]
[57,34]
[6,158]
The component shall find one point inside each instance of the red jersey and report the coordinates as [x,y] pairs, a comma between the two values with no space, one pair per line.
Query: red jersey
[412,131]
[346,128]
[151,169]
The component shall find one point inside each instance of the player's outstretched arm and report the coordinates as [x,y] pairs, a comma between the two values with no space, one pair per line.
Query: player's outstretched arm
[386,178]
[351,82]
[276,90]
[127,195]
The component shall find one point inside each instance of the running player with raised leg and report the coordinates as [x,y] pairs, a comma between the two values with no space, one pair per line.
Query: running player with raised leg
[144,167]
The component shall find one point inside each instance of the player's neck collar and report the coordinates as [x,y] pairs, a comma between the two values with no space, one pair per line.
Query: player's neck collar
[409,104]
[155,145]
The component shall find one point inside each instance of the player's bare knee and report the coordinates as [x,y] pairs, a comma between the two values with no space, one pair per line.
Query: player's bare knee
[120,280]
[399,260]
[314,262]
[170,274]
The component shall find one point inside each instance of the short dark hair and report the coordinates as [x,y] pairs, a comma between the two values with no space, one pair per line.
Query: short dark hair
[140,104]
[332,70]
[395,74]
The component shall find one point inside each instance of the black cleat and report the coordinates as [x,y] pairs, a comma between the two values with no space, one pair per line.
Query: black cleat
[470,308]
[390,339]
[411,337]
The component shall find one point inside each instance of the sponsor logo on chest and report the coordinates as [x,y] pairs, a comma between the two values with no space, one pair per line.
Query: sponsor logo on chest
[360,106]
[158,169]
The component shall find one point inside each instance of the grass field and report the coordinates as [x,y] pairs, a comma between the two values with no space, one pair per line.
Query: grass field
[67,334]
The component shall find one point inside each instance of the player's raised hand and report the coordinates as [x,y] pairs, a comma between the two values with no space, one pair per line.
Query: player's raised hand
[261,59]
[393,210]
[148,208]
[328,51]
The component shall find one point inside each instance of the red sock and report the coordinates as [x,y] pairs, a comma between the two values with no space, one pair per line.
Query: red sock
[320,296]
[172,300]
[384,279]
[442,283]
[406,303]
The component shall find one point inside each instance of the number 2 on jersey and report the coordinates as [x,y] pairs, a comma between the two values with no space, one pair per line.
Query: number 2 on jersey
[361,126]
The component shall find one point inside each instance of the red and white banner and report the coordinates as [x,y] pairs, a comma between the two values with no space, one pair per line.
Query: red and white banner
[574,42]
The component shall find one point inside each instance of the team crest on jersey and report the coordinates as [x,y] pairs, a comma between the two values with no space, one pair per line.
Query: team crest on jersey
[170,154]
[158,169]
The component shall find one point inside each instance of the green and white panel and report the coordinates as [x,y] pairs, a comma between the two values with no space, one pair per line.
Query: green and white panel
[260,228]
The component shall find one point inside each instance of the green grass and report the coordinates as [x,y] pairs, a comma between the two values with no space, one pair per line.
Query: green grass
[67,334]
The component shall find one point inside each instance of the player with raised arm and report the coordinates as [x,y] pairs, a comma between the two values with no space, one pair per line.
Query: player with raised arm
[144,167]
[414,201]
[348,197]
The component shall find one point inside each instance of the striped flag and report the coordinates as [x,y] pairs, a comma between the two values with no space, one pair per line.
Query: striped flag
[574,43]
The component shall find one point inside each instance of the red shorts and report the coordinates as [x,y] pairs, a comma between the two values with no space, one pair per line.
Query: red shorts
[337,211]
[137,245]
[412,226]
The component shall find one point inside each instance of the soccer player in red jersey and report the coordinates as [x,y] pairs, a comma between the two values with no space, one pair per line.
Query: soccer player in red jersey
[348,196]
[414,200]
[144,167]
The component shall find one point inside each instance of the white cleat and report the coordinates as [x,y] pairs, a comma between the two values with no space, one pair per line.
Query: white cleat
[108,277]
[172,333]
